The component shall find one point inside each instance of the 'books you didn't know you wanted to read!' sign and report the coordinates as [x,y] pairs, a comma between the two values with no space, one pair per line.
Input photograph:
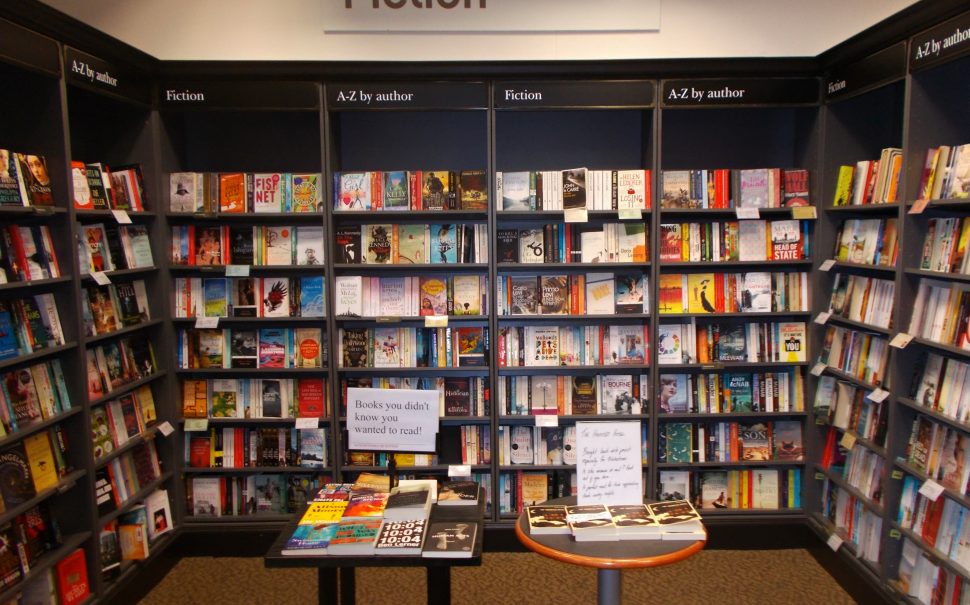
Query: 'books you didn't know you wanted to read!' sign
[402,420]
[609,470]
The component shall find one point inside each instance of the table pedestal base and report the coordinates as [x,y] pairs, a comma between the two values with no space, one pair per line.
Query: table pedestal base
[608,586]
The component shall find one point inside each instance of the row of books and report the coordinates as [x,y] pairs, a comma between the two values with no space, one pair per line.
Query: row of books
[574,294]
[521,488]
[29,324]
[757,488]
[265,348]
[668,520]
[752,292]
[27,254]
[130,536]
[411,243]
[116,422]
[846,406]
[97,186]
[108,247]
[413,347]
[250,297]
[114,363]
[402,190]
[938,450]
[32,394]
[752,342]
[747,240]
[110,308]
[744,188]
[921,575]
[854,521]
[859,466]
[942,313]
[626,242]
[33,465]
[730,393]
[475,443]
[255,398]
[254,494]
[863,299]
[412,296]
[870,181]
[573,395]
[262,245]
[684,442]
[122,477]
[457,395]
[945,245]
[570,345]
[859,354]
[27,537]
[867,241]
[384,459]
[236,192]
[940,523]
[942,387]
[24,179]
[540,190]
[231,447]
[524,444]
[946,173]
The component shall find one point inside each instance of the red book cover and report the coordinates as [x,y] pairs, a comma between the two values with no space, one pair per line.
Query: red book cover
[199,452]
[72,578]
[931,526]
[647,190]
[311,397]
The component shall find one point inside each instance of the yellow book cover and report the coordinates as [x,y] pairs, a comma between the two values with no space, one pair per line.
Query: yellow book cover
[41,460]
[700,293]
[535,488]
[843,186]
[671,294]
[323,511]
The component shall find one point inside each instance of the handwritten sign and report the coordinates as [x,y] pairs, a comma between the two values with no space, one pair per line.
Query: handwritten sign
[608,469]
[403,420]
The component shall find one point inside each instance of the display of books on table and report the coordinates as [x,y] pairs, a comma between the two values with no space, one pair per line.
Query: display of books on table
[668,520]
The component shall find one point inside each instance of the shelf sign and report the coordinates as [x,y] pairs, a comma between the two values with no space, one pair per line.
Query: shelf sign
[739,91]
[121,216]
[307,422]
[166,428]
[931,489]
[900,340]
[89,71]
[196,424]
[403,95]
[834,541]
[827,264]
[400,420]
[579,94]
[488,16]
[609,469]
[239,95]
[459,470]
[882,67]
[944,42]
[237,270]
[548,420]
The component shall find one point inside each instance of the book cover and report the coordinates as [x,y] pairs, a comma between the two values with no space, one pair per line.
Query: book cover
[792,341]
[33,169]
[547,519]
[600,294]
[515,191]
[632,189]
[627,344]
[277,245]
[714,490]
[309,245]
[617,395]
[267,192]
[354,347]
[411,243]
[401,537]
[305,192]
[232,192]
[630,293]
[347,244]
[553,295]
[241,250]
[450,539]
[584,395]
[679,442]
[312,302]
[444,244]
[72,578]
[471,347]
[521,446]
[531,246]
[673,396]
[396,190]
[738,395]
[377,243]
[755,441]
[525,295]
[434,295]
[574,189]
[473,190]
[435,190]
[275,299]
[16,480]
[354,191]
[786,240]
[675,189]
[310,539]
[272,348]
[787,440]
[244,349]
[467,294]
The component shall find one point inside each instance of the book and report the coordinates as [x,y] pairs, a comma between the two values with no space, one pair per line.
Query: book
[458,493]
[634,522]
[407,504]
[16,480]
[547,519]
[159,513]
[310,539]
[591,523]
[450,539]
[401,537]
[679,519]
[72,578]
[355,537]
[366,505]
[514,189]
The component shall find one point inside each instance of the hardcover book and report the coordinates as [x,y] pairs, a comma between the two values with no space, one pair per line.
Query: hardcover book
[401,537]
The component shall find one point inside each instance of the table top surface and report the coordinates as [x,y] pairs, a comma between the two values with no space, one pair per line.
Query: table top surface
[608,554]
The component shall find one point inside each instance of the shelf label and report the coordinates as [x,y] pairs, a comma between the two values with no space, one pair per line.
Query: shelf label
[166,428]
[122,217]
[895,534]
[901,340]
[918,206]
[818,369]
[574,93]
[436,321]
[834,541]
[388,319]
[239,94]
[847,441]
[196,424]
[740,91]
[94,72]
[307,423]
[459,470]
[748,213]
[547,420]
[804,213]
[827,265]
[237,270]
[629,214]
[823,318]
[206,323]
[820,476]
[945,41]
[575,215]
[897,474]
[931,489]
[884,66]
[879,395]
[408,95]
[101,278]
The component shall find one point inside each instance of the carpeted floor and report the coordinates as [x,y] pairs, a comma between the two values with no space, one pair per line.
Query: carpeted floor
[725,577]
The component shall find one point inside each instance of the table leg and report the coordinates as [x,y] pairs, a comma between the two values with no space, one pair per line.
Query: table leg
[608,587]
[439,585]
[348,593]
[326,585]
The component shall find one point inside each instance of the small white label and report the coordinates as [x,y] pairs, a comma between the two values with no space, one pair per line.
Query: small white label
[575,215]
[237,270]
[307,423]
[196,424]
[436,321]
[818,369]
[122,217]
[827,265]
[459,470]
[848,440]
[166,428]
[547,420]
[823,318]
[101,278]
[834,541]
[931,489]
[804,213]
[879,395]
[901,340]
[206,323]
[629,214]
[746,213]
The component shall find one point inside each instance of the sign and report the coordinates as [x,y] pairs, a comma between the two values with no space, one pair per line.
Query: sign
[740,91]
[489,16]
[949,40]
[608,469]
[579,93]
[230,95]
[876,69]
[91,72]
[401,420]
[405,95]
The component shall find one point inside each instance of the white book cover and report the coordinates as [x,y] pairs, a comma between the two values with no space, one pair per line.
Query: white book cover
[600,294]
[268,192]
[630,189]
[752,244]
[669,344]
[393,299]
[349,295]
[279,245]
[592,245]
[309,245]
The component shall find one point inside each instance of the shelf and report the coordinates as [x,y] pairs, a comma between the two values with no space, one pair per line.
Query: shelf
[412,267]
[526,319]
[36,427]
[449,371]
[751,316]
[103,214]
[935,555]
[946,204]
[46,561]
[544,268]
[131,568]
[324,421]
[941,275]
[729,213]
[190,321]
[546,215]
[824,526]
[950,349]
[935,415]
[849,323]
[961,499]
[803,263]
[727,415]
[204,270]
[144,437]
[90,340]
[255,372]
[888,209]
[36,355]
[255,217]
[126,388]
[65,484]
[863,268]
[122,273]
[854,491]
[383,216]
[256,470]
[739,464]
[35,283]
[599,369]
[31,211]
[870,445]
[135,499]
[717,366]
[850,378]
[530,419]
[420,319]
[508,468]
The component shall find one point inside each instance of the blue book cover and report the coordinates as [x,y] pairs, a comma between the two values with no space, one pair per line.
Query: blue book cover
[310,537]
[444,244]
[215,297]
[311,297]
[9,347]
[396,190]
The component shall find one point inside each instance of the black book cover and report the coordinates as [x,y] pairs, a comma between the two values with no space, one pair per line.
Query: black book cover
[508,245]
[241,245]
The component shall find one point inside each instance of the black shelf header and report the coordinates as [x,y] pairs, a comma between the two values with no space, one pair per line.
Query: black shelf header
[947,41]
[876,69]
[739,91]
[99,75]
[239,95]
[430,95]
[24,47]
[580,94]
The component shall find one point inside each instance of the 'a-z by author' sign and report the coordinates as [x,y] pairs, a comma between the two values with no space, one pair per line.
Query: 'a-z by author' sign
[400,420]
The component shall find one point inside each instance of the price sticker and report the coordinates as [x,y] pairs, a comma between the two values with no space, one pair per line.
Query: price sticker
[895,534]
[805,213]
[196,424]
[122,217]
[918,207]
[848,440]
[823,318]
[101,278]
[827,265]
[575,215]
[878,396]
[237,270]
[206,323]
[459,470]
[166,428]
[931,489]
[818,369]
[820,476]
[901,340]
[436,321]
[629,214]
[547,420]
[835,541]
[897,475]
[307,423]
[748,213]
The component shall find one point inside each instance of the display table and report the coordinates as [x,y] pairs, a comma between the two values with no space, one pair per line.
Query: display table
[608,557]
[329,567]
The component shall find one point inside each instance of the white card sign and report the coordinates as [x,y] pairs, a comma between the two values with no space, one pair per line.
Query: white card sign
[608,469]
[402,420]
